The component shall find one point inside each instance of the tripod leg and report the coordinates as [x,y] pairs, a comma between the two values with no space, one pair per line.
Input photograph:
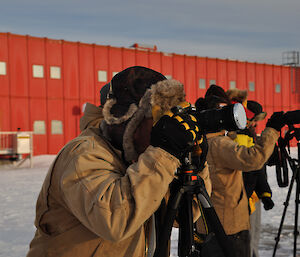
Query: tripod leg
[185,216]
[286,203]
[297,202]
[173,203]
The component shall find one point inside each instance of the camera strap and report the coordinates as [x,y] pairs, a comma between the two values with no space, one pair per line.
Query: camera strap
[282,174]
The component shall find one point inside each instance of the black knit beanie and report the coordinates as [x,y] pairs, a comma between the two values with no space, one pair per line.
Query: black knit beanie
[216,95]
[128,87]
[257,109]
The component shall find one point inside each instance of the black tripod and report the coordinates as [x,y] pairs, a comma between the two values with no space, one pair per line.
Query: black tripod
[294,164]
[183,190]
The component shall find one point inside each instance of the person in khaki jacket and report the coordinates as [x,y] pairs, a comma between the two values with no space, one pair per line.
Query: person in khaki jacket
[226,160]
[101,192]
[255,182]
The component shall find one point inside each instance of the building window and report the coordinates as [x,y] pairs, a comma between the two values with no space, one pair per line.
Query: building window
[202,84]
[38,71]
[277,88]
[56,127]
[55,72]
[39,127]
[212,82]
[102,76]
[2,68]
[251,86]
[168,76]
[232,84]
[114,73]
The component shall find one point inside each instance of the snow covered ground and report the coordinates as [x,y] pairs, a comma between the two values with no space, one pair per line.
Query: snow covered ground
[19,188]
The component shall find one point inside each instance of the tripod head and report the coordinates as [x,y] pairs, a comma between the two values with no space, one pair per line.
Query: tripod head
[292,133]
[196,158]
[281,156]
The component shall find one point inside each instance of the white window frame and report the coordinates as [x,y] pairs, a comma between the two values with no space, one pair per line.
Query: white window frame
[232,84]
[57,127]
[251,86]
[55,72]
[202,83]
[102,76]
[3,68]
[39,127]
[212,82]
[37,71]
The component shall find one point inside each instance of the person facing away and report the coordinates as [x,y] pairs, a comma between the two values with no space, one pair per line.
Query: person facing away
[255,182]
[102,190]
[226,161]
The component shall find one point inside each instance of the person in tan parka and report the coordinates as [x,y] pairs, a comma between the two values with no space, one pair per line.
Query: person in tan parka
[101,192]
[226,160]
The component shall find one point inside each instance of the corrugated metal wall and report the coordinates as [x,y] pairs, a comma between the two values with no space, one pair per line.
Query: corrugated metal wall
[44,83]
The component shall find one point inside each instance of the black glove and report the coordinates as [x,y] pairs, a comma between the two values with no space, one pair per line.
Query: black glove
[276,121]
[175,133]
[268,203]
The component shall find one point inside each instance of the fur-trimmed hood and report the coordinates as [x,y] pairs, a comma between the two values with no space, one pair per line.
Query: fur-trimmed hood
[237,95]
[158,99]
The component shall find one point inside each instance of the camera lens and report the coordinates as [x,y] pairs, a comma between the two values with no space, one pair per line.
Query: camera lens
[230,117]
[239,116]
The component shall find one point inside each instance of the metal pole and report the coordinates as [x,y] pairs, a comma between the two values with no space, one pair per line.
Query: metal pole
[296,232]
[297,202]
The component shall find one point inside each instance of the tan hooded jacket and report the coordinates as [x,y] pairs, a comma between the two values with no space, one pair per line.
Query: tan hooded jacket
[91,204]
[226,160]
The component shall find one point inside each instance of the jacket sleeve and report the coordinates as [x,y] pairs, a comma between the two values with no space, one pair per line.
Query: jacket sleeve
[111,204]
[262,185]
[233,156]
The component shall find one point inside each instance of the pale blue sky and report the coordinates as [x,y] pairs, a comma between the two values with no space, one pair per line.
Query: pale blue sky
[253,30]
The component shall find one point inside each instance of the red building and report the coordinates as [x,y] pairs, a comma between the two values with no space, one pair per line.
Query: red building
[44,82]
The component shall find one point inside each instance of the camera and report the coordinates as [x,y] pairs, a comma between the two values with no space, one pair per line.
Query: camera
[231,117]
[280,157]
[291,117]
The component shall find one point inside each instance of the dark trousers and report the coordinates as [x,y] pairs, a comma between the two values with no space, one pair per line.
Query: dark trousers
[241,243]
